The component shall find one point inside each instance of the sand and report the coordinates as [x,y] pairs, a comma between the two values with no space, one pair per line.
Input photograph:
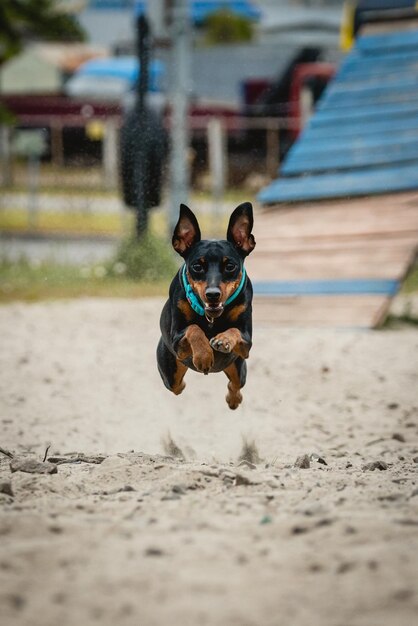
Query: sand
[156,534]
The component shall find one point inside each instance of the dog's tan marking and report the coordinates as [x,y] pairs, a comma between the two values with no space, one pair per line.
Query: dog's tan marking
[198,286]
[186,309]
[238,310]
[234,396]
[179,384]
[228,288]
[196,344]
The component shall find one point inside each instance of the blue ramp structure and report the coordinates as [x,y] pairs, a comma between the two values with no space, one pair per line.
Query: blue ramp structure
[363,137]
[338,237]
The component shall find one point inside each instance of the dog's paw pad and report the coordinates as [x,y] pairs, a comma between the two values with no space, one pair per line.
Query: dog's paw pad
[221,345]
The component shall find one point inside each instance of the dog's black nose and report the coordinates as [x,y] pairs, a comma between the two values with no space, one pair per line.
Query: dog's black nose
[213,295]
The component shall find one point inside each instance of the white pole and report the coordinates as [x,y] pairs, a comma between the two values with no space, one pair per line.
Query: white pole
[6,177]
[33,187]
[217,164]
[110,154]
[180,89]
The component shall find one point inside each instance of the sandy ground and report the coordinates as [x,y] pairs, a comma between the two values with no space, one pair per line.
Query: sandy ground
[147,538]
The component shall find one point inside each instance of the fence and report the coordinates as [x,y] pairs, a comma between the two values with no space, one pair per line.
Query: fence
[215,131]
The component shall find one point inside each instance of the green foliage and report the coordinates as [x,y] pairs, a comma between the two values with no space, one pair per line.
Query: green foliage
[32,281]
[411,283]
[6,116]
[397,321]
[224,26]
[23,20]
[148,259]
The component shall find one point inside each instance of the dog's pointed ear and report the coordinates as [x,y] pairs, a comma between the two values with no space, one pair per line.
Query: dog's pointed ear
[240,227]
[186,232]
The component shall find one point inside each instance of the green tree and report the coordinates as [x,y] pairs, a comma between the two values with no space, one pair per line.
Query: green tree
[224,26]
[29,20]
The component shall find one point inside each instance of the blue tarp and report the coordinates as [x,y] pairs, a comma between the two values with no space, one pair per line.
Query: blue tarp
[123,67]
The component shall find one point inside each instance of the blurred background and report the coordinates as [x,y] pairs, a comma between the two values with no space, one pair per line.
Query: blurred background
[113,112]
[215,110]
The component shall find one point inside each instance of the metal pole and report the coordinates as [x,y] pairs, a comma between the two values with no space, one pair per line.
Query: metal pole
[33,180]
[57,146]
[110,143]
[180,88]
[6,175]
[217,164]
[143,42]
[273,150]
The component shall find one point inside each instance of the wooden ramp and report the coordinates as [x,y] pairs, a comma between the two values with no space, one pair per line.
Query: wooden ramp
[335,264]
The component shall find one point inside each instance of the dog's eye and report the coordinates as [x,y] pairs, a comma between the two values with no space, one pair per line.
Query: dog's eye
[230,267]
[198,268]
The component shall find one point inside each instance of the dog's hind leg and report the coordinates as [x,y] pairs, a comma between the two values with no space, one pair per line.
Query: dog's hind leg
[237,374]
[171,370]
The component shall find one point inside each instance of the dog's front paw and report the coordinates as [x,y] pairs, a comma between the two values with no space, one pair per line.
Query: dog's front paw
[203,361]
[222,343]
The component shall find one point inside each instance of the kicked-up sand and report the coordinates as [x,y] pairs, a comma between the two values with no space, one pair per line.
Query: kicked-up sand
[176,510]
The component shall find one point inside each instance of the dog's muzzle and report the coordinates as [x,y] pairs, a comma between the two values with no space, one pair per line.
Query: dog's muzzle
[213,307]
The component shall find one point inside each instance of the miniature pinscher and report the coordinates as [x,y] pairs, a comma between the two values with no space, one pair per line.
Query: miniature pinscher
[206,322]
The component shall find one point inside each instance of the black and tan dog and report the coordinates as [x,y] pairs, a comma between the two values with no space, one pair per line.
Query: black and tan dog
[206,322]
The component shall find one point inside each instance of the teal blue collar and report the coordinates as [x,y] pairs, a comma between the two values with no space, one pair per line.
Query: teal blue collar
[194,300]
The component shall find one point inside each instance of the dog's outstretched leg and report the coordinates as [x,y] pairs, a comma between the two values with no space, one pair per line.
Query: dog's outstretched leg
[171,370]
[237,374]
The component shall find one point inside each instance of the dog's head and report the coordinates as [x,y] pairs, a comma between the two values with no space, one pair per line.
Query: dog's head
[214,267]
